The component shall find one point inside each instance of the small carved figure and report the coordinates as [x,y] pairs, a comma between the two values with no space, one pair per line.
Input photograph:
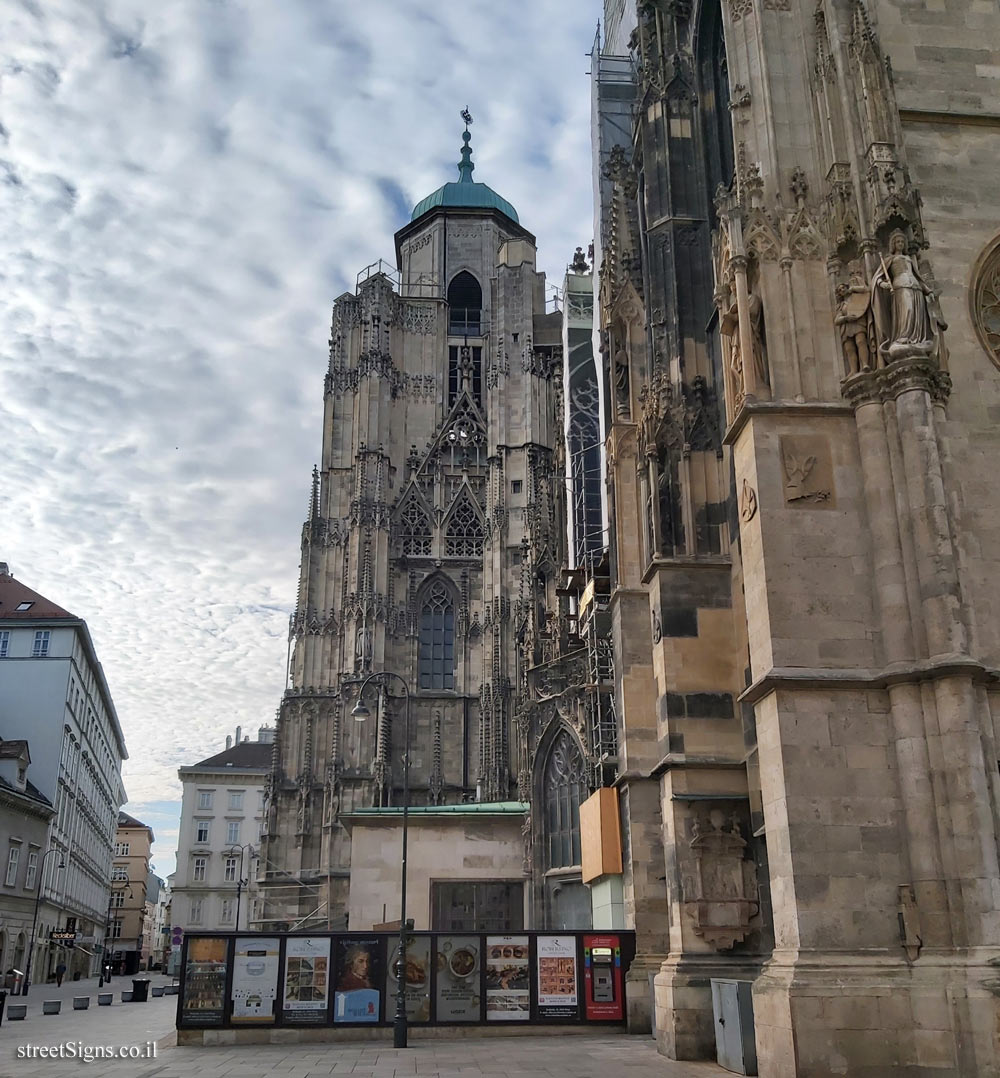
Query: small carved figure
[758,343]
[621,382]
[854,317]
[938,324]
[899,303]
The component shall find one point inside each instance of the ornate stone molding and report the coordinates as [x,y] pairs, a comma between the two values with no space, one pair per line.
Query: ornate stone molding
[903,376]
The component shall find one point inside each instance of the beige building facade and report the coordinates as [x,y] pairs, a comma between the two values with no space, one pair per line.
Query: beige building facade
[127,928]
[799,281]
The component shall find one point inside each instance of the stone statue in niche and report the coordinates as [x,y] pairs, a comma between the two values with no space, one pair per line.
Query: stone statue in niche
[899,304]
[721,893]
[730,327]
[938,324]
[622,402]
[758,342]
[854,317]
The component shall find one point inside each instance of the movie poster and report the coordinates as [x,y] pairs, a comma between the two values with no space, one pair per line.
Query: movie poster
[557,985]
[255,980]
[359,973]
[307,979]
[458,979]
[417,980]
[508,985]
[204,982]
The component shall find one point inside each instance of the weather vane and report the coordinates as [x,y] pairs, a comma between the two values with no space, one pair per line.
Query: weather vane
[467,116]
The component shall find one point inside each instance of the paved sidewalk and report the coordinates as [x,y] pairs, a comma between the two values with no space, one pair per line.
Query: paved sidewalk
[551,1056]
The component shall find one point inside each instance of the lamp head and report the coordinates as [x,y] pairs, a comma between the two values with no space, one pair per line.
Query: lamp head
[360,711]
[62,862]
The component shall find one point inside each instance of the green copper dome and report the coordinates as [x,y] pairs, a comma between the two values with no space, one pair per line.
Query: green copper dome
[465,192]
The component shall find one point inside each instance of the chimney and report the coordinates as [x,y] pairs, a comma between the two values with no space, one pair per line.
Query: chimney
[246,738]
[229,741]
[239,730]
[265,735]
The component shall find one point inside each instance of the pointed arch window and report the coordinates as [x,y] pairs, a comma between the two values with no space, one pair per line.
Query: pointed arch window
[436,655]
[465,306]
[565,786]
[414,530]
[465,536]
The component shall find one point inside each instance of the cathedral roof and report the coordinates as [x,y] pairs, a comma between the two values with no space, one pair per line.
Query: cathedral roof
[465,192]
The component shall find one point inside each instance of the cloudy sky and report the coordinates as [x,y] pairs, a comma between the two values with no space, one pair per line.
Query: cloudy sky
[184,189]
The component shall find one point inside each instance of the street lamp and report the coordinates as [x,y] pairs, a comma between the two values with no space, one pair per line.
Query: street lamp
[240,881]
[34,920]
[105,960]
[360,712]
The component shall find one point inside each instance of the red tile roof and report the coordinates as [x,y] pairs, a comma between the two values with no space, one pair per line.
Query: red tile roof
[13,593]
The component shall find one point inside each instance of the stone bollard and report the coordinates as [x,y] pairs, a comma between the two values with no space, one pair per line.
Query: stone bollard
[104,999]
[16,1011]
[51,1006]
[157,989]
[81,1003]
[126,997]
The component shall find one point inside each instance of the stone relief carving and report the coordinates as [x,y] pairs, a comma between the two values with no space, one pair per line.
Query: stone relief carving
[721,893]
[748,503]
[807,470]
[419,318]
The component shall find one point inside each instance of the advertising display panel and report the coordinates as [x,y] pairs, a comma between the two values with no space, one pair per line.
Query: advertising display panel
[357,997]
[417,980]
[459,971]
[307,980]
[602,978]
[557,980]
[508,979]
[255,980]
[205,982]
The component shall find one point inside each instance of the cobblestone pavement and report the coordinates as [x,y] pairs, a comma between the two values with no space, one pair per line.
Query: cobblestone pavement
[550,1056]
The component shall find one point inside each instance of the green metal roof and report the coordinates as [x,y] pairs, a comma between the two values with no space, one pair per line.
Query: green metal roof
[465,192]
[474,808]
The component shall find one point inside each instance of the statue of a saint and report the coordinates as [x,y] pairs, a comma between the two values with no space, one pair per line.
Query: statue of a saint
[758,343]
[854,317]
[899,304]
[622,394]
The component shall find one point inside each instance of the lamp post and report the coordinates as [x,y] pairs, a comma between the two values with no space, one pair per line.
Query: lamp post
[360,712]
[34,920]
[240,881]
[105,960]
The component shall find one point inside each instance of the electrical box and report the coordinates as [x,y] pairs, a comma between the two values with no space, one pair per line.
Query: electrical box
[732,1007]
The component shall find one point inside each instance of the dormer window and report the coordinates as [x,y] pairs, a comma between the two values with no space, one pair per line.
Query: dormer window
[23,606]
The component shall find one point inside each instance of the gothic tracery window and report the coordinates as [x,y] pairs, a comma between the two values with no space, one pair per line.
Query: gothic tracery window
[436,658]
[464,536]
[565,786]
[986,300]
[414,531]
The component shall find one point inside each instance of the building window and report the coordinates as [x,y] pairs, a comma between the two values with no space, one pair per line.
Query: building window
[4,643]
[205,799]
[200,864]
[227,911]
[437,639]
[235,800]
[465,303]
[477,906]
[565,786]
[119,872]
[12,859]
[233,833]
[116,928]
[516,486]
[121,849]
[117,899]
[196,905]
[231,863]
[465,535]
[201,830]
[31,871]
[414,529]
[41,646]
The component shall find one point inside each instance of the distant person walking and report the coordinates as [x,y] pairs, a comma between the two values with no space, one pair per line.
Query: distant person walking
[60,972]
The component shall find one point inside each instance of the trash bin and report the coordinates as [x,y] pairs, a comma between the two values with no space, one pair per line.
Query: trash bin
[140,990]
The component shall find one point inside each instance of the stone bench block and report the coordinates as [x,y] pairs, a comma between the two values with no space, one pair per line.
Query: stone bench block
[17,1011]
[81,1003]
[104,999]
[51,1006]
[126,997]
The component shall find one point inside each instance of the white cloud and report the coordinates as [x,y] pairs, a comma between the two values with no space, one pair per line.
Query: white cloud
[184,188]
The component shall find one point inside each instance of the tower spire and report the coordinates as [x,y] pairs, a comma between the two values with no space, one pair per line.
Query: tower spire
[465,166]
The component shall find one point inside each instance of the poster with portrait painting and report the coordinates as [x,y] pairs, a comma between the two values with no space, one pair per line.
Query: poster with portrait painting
[508,983]
[307,980]
[459,972]
[357,993]
[417,981]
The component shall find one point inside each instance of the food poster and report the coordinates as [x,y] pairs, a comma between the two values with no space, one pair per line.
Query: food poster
[557,985]
[359,973]
[417,980]
[459,966]
[508,983]
[204,982]
[307,979]
[255,980]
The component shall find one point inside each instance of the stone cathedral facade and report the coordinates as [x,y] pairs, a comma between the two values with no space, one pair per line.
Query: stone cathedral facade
[432,549]
[798,256]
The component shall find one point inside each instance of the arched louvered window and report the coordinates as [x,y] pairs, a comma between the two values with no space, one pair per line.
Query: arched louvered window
[464,537]
[414,530]
[465,303]
[436,656]
[565,786]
